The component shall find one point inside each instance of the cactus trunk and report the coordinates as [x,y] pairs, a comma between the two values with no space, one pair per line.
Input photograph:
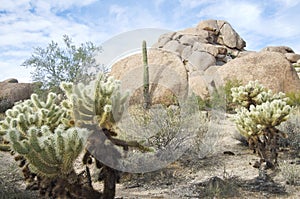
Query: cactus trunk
[146,92]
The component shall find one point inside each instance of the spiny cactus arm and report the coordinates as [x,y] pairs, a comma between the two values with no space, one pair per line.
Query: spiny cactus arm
[245,124]
[4,126]
[38,166]
[270,114]
[49,152]
[76,139]
[249,94]
[36,101]
[118,102]
[33,139]
[16,144]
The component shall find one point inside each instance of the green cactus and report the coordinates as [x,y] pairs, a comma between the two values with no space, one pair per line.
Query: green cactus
[101,105]
[41,135]
[49,136]
[51,156]
[32,113]
[146,92]
[100,101]
[260,112]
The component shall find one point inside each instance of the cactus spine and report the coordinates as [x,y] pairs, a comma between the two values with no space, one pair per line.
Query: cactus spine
[146,85]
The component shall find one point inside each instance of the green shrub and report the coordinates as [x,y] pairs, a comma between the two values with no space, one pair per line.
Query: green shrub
[220,98]
[294,98]
[203,104]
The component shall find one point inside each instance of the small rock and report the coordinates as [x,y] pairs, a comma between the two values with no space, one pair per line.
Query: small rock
[11,80]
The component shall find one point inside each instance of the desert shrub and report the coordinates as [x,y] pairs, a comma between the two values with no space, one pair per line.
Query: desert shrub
[5,104]
[220,98]
[207,136]
[162,126]
[290,172]
[219,187]
[292,128]
[294,98]
[203,104]
[260,113]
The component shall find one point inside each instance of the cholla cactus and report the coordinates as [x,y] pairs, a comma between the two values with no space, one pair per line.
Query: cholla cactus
[40,135]
[100,101]
[254,94]
[33,113]
[99,105]
[52,154]
[49,136]
[258,117]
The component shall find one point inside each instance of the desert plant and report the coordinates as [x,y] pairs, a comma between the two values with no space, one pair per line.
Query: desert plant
[220,98]
[146,92]
[294,98]
[260,113]
[45,146]
[47,137]
[220,187]
[99,106]
[203,104]
[292,128]
[290,172]
[55,64]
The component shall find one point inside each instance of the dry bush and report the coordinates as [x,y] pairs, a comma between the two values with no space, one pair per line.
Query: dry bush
[290,172]
[292,128]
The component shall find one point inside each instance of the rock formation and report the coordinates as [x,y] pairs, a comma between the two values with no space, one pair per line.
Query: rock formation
[211,53]
[168,77]
[272,69]
[13,91]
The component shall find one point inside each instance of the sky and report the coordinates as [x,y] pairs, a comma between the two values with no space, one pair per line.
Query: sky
[27,24]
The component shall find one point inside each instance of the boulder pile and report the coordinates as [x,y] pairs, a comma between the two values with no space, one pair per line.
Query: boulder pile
[205,57]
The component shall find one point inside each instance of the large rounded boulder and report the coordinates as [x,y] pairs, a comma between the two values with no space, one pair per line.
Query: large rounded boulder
[271,69]
[167,76]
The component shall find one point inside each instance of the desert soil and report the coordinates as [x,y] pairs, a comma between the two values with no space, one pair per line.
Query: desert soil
[218,175]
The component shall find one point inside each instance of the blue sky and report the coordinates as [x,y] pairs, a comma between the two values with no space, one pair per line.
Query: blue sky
[25,24]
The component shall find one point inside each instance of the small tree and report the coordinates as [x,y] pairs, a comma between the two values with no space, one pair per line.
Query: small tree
[54,64]
[261,111]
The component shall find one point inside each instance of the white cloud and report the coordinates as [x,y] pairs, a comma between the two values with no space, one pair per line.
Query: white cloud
[25,24]
[194,3]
